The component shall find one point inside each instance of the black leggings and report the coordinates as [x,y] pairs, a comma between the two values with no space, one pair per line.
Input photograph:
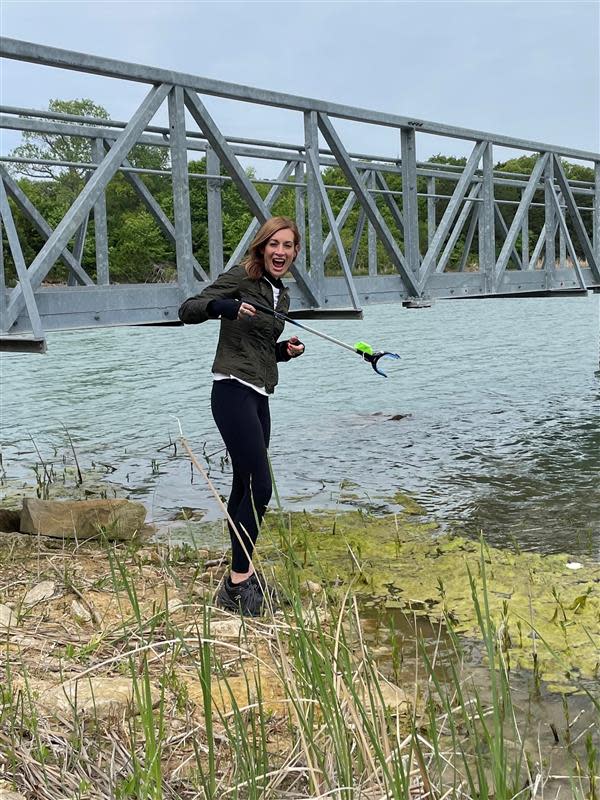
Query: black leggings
[243,419]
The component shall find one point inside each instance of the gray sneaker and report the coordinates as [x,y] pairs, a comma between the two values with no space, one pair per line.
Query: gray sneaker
[245,597]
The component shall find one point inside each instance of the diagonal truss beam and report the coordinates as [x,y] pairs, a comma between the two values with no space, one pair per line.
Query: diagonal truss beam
[249,193]
[576,220]
[473,225]
[367,202]
[313,164]
[504,229]
[40,224]
[154,207]
[17,254]
[269,201]
[541,242]
[569,242]
[360,226]
[456,199]
[391,203]
[469,204]
[65,229]
[522,210]
[340,221]
[78,246]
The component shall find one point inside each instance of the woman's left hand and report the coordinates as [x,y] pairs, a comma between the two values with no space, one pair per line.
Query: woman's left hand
[295,347]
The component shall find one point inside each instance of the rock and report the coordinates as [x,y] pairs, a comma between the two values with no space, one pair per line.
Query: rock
[97,698]
[174,604]
[10,520]
[8,618]
[7,794]
[80,612]
[42,591]
[237,691]
[312,587]
[222,629]
[83,519]
[394,698]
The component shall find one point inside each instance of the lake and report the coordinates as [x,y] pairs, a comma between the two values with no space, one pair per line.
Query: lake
[491,418]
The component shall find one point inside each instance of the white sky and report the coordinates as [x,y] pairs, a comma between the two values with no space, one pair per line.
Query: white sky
[526,69]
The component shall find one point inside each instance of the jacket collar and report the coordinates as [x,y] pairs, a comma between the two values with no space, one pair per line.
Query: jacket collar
[276,282]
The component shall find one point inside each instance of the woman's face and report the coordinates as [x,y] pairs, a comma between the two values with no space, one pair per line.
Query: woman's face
[280,251]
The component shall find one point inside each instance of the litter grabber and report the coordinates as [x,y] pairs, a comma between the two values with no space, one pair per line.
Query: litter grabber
[361,348]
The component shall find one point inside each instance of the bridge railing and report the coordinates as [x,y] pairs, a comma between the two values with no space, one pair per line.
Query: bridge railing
[498,257]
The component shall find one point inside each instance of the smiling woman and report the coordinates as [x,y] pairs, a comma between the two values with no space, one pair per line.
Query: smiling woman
[245,373]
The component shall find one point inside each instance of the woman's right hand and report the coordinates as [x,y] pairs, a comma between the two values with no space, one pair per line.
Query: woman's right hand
[246,311]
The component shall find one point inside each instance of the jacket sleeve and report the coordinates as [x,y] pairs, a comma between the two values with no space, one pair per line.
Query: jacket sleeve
[193,310]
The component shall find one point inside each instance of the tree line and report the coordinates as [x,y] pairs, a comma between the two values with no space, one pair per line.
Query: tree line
[138,250]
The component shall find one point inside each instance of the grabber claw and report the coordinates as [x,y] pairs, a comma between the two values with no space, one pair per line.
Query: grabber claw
[366,351]
[373,359]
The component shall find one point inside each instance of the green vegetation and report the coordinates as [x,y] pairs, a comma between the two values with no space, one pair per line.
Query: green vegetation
[139,251]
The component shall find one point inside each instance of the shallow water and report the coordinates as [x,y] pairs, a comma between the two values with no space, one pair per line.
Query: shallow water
[498,399]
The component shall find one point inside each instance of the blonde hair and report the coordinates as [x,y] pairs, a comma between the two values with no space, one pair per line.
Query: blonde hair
[254,263]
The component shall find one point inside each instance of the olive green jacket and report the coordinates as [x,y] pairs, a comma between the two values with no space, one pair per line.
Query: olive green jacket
[247,348]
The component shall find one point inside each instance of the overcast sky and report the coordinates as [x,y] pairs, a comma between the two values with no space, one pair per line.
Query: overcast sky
[525,69]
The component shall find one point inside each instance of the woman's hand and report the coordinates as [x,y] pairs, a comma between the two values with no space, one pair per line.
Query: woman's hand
[246,311]
[295,347]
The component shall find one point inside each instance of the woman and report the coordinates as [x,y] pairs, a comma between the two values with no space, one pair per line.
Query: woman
[245,373]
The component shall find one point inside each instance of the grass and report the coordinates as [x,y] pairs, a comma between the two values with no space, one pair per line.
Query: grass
[291,706]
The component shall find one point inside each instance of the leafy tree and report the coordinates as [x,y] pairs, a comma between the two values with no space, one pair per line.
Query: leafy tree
[58,147]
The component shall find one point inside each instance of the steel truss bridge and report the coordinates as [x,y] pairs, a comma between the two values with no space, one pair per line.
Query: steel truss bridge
[562,259]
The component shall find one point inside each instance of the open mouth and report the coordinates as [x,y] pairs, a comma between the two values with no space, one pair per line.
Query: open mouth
[278,263]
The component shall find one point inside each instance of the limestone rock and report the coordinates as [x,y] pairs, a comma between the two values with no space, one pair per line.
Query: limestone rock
[312,587]
[223,629]
[394,698]
[83,519]
[8,794]
[10,520]
[8,618]
[42,591]
[237,691]
[80,612]
[98,698]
